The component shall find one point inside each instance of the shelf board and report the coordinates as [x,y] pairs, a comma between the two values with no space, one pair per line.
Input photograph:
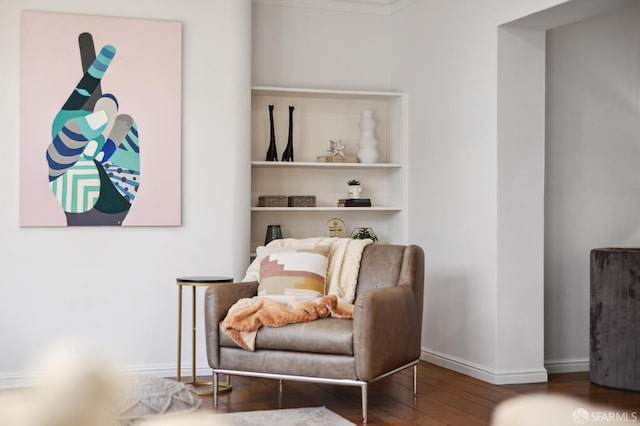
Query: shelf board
[320,164]
[319,93]
[325,209]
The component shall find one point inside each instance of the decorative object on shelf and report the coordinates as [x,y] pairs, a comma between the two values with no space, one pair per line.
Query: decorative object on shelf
[302,201]
[336,148]
[354,188]
[272,201]
[367,144]
[335,227]
[363,234]
[337,154]
[287,155]
[354,202]
[274,232]
[337,159]
[272,152]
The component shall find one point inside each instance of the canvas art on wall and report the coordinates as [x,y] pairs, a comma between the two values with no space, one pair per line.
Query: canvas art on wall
[100,121]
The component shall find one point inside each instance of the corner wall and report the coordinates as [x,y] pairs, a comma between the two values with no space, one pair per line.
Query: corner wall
[521,138]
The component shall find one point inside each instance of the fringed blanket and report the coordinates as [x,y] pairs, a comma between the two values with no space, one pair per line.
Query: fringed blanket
[246,316]
[344,266]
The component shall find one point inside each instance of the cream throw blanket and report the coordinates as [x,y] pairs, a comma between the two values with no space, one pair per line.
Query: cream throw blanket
[344,262]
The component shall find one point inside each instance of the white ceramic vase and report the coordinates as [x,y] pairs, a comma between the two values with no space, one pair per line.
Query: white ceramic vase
[367,144]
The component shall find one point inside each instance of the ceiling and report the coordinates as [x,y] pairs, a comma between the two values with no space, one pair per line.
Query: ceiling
[380,7]
[374,2]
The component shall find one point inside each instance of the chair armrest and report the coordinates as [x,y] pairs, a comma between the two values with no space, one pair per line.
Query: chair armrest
[386,330]
[218,299]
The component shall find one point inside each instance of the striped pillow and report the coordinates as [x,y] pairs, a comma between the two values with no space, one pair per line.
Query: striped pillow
[283,271]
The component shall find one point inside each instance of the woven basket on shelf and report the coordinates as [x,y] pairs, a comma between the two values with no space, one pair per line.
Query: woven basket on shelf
[272,201]
[302,201]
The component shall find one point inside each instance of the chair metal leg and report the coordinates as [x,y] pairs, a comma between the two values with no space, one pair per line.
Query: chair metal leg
[281,377]
[364,402]
[215,389]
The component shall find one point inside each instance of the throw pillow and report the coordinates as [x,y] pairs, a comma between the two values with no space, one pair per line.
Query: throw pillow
[253,272]
[300,270]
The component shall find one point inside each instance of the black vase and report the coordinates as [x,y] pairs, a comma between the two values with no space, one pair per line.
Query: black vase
[274,232]
[272,153]
[287,155]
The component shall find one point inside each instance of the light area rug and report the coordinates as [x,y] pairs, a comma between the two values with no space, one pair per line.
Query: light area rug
[314,416]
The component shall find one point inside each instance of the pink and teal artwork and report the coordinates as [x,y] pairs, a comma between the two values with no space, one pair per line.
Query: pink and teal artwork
[100,121]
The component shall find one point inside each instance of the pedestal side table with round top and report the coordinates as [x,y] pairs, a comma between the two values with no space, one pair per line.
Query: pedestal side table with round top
[615,318]
[194,282]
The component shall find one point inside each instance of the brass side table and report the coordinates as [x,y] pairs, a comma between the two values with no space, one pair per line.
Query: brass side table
[194,282]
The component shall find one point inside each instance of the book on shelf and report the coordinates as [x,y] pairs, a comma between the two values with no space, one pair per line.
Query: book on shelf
[354,202]
[337,159]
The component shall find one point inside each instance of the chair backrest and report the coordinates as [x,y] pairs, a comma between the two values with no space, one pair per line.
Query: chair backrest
[387,265]
[380,266]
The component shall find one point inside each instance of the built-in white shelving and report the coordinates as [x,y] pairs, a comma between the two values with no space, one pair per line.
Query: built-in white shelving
[325,209]
[319,164]
[320,116]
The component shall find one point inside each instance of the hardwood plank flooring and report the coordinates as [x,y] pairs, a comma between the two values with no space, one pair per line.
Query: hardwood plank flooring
[444,397]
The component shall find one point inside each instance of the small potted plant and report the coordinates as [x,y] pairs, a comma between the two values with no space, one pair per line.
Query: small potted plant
[354,188]
[363,234]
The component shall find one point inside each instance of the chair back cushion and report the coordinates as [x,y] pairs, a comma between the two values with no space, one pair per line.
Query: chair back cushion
[380,267]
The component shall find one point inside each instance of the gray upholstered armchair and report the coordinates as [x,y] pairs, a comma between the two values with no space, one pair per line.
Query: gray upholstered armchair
[383,337]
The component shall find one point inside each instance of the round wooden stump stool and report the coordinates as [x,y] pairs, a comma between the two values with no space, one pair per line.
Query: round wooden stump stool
[615,318]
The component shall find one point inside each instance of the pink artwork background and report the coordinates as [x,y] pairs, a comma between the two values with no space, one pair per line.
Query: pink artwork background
[146,76]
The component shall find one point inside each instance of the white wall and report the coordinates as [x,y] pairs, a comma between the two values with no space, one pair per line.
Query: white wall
[483,303]
[592,157]
[47,295]
[446,62]
[444,54]
[323,49]
[520,216]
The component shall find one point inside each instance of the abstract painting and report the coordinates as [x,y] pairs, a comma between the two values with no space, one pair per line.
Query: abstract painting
[100,121]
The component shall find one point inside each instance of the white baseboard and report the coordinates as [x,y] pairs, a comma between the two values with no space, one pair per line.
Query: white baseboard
[483,373]
[30,378]
[554,366]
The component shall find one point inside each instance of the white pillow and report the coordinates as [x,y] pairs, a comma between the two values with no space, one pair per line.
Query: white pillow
[253,272]
[299,270]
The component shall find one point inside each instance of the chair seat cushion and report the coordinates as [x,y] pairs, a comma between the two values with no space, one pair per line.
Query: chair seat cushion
[326,336]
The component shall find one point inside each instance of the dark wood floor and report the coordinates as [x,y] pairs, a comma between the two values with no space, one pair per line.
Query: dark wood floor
[444,397]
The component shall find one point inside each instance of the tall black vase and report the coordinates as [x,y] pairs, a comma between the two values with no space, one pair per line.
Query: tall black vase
[272,153]
[287,155]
